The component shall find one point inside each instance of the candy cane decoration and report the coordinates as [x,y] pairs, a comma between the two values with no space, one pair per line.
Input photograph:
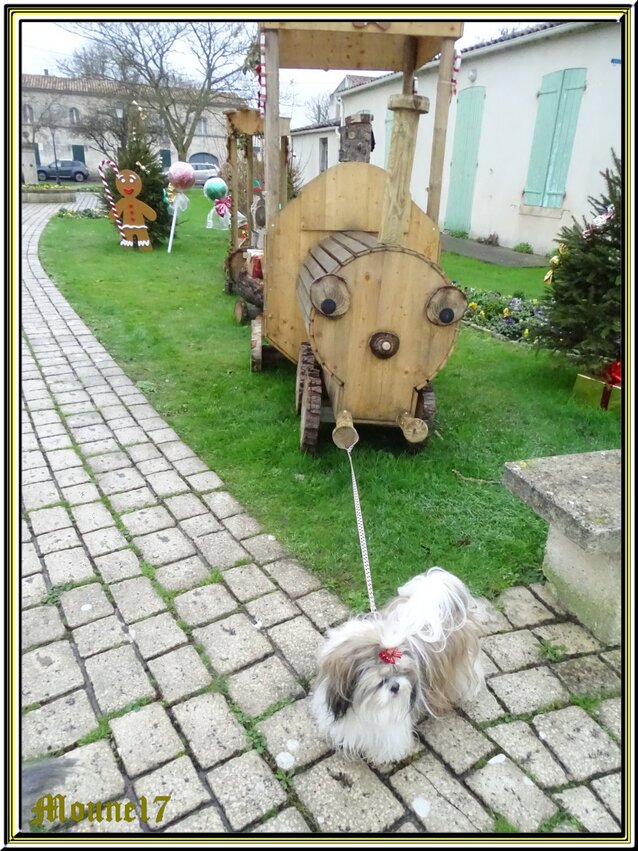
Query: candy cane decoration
[109,197]
[456,68]
[261,72]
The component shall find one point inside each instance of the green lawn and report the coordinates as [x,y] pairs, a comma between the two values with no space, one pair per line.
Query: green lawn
[167,321]
[507,280]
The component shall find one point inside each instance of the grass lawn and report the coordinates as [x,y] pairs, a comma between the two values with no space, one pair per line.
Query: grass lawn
[168,323]
[507,280]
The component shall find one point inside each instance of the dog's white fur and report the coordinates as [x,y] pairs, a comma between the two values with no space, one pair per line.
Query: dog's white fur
[367,706]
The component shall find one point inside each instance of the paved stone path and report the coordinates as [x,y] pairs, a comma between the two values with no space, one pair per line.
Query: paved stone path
[169,642]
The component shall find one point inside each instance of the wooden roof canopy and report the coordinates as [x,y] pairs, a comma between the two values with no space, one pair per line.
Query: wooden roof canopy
[360,45]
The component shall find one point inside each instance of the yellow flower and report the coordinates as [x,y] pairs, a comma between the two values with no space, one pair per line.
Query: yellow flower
[473,305]
[506,311]
[482,314]
[526,332]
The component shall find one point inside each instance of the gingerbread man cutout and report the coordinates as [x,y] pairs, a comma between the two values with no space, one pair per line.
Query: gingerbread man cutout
[132,212]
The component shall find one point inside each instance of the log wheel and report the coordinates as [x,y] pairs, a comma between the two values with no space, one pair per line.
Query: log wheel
[426,406]
[310,409]
[256,337]
[305,361]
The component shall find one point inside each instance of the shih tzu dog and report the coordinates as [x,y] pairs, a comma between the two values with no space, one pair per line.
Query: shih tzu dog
[380,673]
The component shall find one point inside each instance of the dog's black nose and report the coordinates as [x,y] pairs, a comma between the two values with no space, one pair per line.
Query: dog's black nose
[394,688]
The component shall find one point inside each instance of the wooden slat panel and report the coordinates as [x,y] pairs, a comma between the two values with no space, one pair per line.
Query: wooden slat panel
[339,252]
[324,259]
[355,246]
[365,238]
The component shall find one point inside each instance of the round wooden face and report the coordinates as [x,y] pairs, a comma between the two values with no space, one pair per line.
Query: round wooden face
[398,330]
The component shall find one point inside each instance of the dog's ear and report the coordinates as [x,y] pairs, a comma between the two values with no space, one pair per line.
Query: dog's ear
[338,701]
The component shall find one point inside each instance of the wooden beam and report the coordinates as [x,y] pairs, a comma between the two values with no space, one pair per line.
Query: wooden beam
[395,216]
[249,187]
[409,64]
[234,192]
[443,97]
[272,163]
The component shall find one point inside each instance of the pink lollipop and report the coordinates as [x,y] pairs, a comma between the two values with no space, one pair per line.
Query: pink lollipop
[181,175]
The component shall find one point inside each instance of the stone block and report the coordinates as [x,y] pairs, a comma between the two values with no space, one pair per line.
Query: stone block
[92,516]
[99,635]
[242,526]
[581,803]
[118,679]
[287,821]
[147,520]
[49,519]
[61,539]
[212,731]
[323,608]
[522,608]
[164,546]
[221,550]
[48,672]
[232,643]
[183,575]
[57,725]
[41,626]
[256,688]
[528,691]
[456,741]
[177,779]
[513,650]
[68,566]
[33,590]
[145,738]
[292,737]
[246,789]
[519,741]
[587,675]
[222,504]
[157,635]
[440,802]
[185,505]
[84,604]
[264,548]
[104,541]
[205,604]
[248,582]
[345,796]
[272,609]
[179,673]
[299,641]
[119,565]
[294,579]
[136,599]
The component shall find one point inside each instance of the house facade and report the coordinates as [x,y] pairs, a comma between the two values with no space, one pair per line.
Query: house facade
[62,105]
[531,126]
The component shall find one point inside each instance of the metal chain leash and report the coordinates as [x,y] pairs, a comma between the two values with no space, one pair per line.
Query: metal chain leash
[362,534]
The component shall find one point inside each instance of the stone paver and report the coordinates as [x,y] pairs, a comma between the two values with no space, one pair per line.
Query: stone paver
[99,635]
[179,673]
[258,687]
[505,789]
[48,672]
[136,599]
[440,802]
[246,789]
[118,678]
[345,796]
[211,729]
[157,635]
[41,626]
[578,742]
[179,780]
[84,604]
[189,685]
[145,738]
[203,605]
[57,725]
[68,566]
[232,643]
[292,737]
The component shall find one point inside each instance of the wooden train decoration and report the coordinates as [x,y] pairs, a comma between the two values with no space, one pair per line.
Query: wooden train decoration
[352,290]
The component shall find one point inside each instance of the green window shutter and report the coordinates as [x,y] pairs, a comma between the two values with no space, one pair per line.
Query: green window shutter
[165,156]
[389,118]
[566,121]
[548,100]
[558,107]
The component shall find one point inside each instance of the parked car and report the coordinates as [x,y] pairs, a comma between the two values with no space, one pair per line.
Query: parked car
[65,170]
[203,171]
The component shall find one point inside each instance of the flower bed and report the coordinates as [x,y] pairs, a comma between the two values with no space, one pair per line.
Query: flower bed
[515,318]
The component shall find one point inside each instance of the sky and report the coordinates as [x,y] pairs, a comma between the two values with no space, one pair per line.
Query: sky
[45,44]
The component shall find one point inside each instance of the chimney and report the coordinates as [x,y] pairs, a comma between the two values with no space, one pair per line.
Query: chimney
[46,72]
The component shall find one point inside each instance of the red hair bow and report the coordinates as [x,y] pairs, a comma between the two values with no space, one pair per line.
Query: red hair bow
[390,655]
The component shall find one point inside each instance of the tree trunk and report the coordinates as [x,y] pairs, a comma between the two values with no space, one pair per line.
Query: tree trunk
[245,313]
[250,289]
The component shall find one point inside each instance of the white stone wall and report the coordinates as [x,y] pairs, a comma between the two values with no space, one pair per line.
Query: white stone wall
[511,73]
[306,150]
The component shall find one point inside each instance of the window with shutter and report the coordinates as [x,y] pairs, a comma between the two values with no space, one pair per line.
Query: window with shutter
[556,119]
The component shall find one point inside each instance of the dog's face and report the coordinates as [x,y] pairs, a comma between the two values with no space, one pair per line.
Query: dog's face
[357,677]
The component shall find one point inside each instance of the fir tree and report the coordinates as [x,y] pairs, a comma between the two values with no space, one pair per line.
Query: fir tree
[139,156]
[584,309]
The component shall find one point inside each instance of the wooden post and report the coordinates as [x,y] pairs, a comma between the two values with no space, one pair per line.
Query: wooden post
[395,215]
[283,176]
[271,126]
[443,95]
[344,434]
[409,64]
[249,187]
[234,191]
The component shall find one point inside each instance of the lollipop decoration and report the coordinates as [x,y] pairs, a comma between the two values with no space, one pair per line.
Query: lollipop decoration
[109,195]
[216,190]
[181,177]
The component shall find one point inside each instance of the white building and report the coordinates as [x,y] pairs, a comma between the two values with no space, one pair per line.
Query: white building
[67,102]
[532,125]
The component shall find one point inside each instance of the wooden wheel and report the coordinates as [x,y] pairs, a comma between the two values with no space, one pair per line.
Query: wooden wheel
[426,406]
[256,336]
[305,361]
[310,410]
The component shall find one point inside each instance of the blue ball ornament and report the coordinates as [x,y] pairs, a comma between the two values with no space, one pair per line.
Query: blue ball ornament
[215,188]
